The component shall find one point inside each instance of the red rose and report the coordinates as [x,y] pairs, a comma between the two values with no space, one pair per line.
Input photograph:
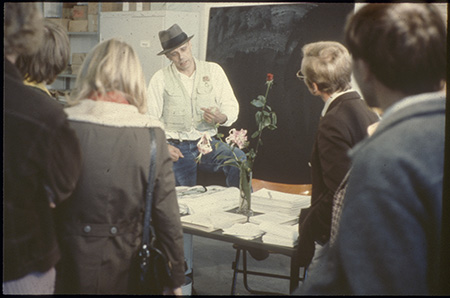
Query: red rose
[269,77]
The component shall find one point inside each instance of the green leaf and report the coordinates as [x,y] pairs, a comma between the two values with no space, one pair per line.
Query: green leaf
[257,103]
[220,157]
[258,116]
[255,134]
[231,162]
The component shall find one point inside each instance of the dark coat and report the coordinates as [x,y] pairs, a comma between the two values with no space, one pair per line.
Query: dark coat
[343,126]
[42,162]
[101,224]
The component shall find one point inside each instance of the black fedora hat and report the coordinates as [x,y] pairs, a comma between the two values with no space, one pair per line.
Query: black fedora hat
[172,38]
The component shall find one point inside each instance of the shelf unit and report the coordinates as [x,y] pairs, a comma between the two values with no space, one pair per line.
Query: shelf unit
[80,42]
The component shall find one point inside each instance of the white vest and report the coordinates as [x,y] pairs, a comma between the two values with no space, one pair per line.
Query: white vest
[181,111]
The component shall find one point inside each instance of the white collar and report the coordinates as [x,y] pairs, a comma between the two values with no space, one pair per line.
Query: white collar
[332,98]
[110,114]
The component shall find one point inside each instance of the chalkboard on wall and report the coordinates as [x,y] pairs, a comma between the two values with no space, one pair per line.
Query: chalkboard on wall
[251,41]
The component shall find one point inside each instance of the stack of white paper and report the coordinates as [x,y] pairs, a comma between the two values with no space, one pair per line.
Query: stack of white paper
[247,231]
[216,198]
[267,201]
[285,235]
[212,221]
[274,218]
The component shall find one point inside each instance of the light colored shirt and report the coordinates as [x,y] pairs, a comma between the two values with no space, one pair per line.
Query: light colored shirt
[227,101]
[332,98]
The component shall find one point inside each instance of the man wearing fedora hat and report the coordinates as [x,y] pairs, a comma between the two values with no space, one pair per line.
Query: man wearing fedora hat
[192,98]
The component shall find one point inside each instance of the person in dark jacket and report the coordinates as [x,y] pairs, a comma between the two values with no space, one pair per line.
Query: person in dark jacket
[42,162]
[41,68]
[326,70]
[101,225]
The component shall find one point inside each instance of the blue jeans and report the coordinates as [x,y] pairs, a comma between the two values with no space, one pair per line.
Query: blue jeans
[185,169]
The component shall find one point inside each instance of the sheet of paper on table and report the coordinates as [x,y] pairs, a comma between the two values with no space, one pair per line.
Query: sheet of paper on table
[267,201]
[216,198]
[246,230]
[212,221]
[282,234]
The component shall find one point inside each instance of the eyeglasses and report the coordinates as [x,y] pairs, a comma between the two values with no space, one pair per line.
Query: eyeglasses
[300,76]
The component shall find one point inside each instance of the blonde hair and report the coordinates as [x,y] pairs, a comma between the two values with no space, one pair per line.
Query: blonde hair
[112,65]
[51,58]
[328,64]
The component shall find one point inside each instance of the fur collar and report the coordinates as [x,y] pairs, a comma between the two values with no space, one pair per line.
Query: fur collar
[110,114]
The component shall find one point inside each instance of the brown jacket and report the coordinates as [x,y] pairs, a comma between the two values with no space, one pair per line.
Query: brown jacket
[100,226]
[41,164]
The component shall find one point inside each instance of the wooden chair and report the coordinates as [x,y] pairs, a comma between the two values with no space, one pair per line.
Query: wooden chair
[257,184]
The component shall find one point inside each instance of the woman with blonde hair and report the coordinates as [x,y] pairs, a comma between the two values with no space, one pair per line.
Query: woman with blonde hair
[101,225]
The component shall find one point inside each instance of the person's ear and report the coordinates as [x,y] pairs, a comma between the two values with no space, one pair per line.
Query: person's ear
[314,88]
[362,69]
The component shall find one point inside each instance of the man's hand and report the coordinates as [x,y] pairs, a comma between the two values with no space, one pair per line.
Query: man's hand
[174,152]
[213,115]
[176,291]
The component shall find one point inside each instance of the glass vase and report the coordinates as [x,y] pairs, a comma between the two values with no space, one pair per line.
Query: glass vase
[245,198]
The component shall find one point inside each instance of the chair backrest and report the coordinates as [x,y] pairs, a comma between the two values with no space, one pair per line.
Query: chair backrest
[303,189]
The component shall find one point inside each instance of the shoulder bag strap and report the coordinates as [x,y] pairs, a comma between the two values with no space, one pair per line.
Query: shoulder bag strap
[149,231]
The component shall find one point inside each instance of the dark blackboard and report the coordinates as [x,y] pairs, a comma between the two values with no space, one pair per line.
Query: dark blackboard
[251,41]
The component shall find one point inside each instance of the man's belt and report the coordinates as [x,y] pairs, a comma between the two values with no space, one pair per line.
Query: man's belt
[177,141]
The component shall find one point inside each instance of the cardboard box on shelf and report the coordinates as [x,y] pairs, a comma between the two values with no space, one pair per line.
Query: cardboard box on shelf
[67,13]
[92,8]
[78,58]
[111,6]
[69,4]
[62,22]
[75,68]
[93,23]
[78,26]
[79,12]
[137,6]
[146,6]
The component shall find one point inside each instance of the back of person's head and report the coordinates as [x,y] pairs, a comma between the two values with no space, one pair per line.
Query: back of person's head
[112,66]
[51,58]
[328,64]
[404,45]
[23,28]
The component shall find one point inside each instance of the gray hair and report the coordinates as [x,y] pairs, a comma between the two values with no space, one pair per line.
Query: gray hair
[328,64]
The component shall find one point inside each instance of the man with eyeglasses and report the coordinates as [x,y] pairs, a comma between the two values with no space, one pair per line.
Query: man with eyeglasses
[326,71]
